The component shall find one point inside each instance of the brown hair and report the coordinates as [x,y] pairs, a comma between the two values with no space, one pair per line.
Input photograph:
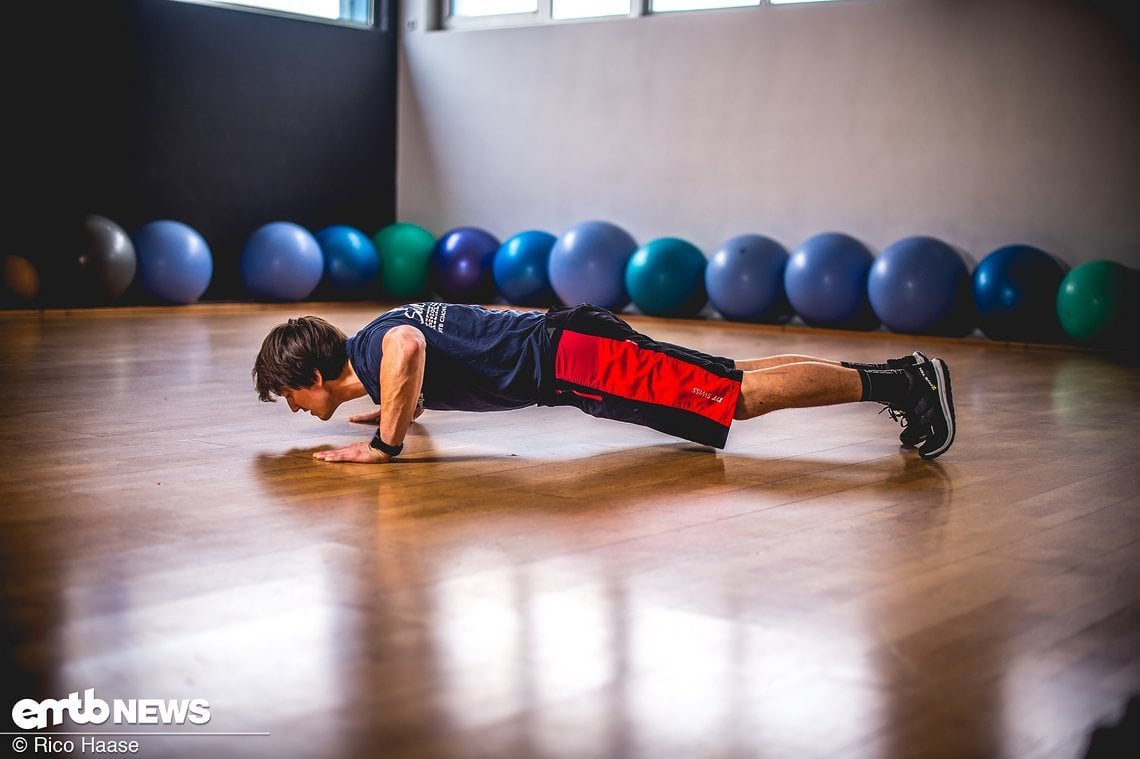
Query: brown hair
[292,353]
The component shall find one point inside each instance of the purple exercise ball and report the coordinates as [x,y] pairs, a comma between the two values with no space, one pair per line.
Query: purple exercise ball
[461,265]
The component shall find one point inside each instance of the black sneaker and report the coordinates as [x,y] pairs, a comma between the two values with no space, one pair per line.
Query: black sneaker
[892,363]
[929,406]
[901,363]
[912,433]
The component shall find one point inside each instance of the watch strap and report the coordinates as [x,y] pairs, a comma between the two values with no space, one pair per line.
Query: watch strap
[380,445]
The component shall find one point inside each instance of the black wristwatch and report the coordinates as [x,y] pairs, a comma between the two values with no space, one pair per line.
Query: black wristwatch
[380,445]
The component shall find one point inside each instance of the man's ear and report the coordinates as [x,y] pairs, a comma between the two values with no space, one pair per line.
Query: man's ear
[318,380]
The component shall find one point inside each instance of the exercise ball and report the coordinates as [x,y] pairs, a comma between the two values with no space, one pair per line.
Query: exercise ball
[405,250]
[174,262]
[587,265]
[461,263]
[1093,300]
[666,277]
[282,261]
[108,259]
[352,266]
[522,268]
[919,285]
[745,278]
[21,278]
[826,281]
[1015,293]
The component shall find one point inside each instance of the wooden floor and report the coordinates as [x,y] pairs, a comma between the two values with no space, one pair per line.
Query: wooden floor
[539,583]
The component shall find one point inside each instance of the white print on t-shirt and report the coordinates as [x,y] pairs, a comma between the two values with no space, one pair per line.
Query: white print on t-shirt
[433,315]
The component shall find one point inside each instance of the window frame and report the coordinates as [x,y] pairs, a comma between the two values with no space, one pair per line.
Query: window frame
[442,19]
[375,10]
[544,15]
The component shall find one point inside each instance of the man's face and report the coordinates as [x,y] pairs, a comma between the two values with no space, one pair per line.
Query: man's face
[315,399]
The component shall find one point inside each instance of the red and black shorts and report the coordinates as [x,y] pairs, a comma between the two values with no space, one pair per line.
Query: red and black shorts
[604,367]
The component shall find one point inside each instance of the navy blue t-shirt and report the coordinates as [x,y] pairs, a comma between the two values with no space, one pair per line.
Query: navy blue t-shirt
[478,359]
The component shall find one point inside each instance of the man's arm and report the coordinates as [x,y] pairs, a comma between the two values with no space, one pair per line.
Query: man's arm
[373,417]
[401,378]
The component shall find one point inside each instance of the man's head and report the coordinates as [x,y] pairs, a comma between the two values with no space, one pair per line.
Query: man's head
[296,356]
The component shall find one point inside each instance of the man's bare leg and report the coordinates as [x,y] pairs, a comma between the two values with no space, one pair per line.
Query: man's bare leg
[798,384]
[752,364]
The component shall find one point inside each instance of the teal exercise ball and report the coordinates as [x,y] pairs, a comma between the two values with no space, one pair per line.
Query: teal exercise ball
[666,277]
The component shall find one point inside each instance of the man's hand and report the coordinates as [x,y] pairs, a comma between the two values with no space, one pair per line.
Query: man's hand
[357,453]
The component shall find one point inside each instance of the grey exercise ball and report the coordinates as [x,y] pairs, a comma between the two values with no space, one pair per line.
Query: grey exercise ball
[108,256]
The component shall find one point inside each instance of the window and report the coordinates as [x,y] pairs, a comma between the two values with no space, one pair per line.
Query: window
[668,6]
[492,12]
[562,9]
[351,11]
[476,8]
[460,14]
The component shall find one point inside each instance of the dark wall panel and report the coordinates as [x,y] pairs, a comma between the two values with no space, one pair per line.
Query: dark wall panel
[223,119]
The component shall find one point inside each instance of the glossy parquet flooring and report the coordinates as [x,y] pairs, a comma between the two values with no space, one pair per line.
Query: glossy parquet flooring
[539,583]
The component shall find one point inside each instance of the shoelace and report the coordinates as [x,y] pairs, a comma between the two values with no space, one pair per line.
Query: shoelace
[896,414]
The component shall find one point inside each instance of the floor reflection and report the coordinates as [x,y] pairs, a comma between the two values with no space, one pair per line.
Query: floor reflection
[544,638]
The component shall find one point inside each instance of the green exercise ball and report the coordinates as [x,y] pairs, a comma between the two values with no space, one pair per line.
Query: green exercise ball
[1092,299]
[405,251]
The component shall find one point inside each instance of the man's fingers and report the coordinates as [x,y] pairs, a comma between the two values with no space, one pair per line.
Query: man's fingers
[359,453]
[336,454]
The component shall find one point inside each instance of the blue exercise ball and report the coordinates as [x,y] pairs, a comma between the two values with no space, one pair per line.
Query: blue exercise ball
[919,285]
[461,264]
[587,265]
[826,281]
[352,266]
[174,262]
[745,278]
[282,261]
[666,277]
[522,268]
[1015,293]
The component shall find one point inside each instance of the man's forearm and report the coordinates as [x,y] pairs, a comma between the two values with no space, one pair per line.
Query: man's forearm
[401,379]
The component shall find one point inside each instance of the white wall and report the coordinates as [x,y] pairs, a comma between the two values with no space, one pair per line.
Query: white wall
[980,122]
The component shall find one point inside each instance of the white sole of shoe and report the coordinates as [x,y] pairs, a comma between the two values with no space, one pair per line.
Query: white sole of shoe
[946,399]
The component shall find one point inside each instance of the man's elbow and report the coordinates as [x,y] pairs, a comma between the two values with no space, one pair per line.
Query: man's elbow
[407,343]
